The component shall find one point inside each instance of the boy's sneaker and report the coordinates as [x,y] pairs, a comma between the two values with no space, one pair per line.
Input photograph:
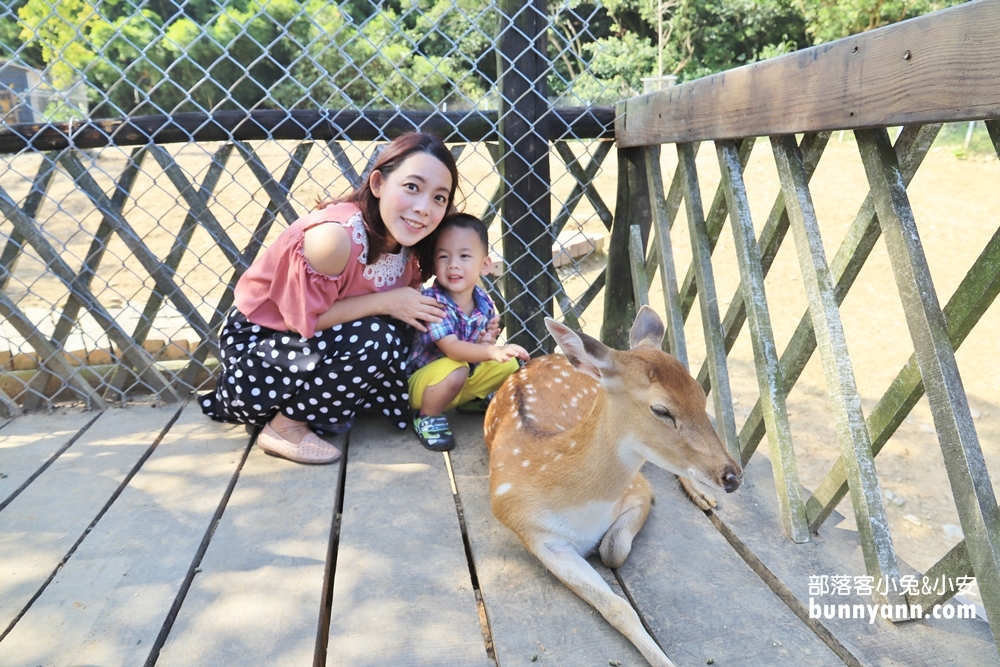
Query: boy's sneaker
[475,407]
[433,431]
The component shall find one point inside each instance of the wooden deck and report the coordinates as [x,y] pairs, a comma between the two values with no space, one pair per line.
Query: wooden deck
[152,536]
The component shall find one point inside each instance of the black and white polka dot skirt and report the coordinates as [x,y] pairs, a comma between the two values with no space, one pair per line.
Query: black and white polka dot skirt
[324,380]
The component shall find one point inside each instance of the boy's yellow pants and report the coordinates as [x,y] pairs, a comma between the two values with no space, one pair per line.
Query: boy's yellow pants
[485,379]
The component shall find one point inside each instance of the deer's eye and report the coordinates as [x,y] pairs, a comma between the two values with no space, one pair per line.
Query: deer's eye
[663,413]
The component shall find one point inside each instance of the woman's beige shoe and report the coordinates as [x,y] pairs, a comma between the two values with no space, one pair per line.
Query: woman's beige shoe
[312,449]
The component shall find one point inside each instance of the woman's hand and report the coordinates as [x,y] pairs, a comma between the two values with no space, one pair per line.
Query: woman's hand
[412,307]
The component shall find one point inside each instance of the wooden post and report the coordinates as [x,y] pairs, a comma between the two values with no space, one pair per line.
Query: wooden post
[523,64]
[631,208]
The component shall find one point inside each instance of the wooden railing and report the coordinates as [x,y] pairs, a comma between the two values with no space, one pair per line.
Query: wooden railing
[918,74]
[230,142]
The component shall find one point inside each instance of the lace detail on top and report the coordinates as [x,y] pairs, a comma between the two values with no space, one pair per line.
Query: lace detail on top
[388,269]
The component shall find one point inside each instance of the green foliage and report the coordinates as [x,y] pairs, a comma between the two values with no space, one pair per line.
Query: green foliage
[168,56]
[829,20]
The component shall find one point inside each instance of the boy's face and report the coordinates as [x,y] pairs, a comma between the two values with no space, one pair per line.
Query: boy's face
[459,259]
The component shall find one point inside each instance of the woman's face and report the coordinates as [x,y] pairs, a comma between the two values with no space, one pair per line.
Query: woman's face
[413,198]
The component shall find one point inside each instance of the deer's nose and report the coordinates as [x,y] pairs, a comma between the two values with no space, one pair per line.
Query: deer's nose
[731,481]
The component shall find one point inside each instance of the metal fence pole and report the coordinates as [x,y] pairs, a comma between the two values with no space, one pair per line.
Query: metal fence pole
[524,166]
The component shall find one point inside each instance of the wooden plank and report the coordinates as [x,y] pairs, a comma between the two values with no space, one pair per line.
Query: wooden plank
[271,124]
[188,376]
[344,162]
[402,591]
[52,360]
[29,443]
[277,192]
[632,208]
[584,184]
[912,146]
[701,261]
[178,248]
[674,342]
[29,229]
[749,518]
[939,67]
[637,256]
[770,382]
[107,604]
[769,243]
[688,581]
[46,521]
[98,245]
[162,277]
[15,241]
[845,402]
[531,613]
[257,596]
[714,224]
[963,455]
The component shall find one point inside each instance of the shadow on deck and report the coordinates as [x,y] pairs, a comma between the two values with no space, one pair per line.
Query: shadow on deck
[153,536]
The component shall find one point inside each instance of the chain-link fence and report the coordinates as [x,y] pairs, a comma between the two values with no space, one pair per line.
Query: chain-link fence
[151,150]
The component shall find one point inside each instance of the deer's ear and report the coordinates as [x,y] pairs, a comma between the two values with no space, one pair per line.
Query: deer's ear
[588,355]
[647,330]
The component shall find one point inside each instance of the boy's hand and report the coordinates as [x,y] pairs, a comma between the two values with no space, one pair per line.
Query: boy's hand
[488,336]
[502,353]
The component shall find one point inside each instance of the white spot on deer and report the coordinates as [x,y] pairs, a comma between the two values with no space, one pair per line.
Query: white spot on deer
[525,463]
[502,489]
[517,450]
[558,456]
[559,380]
[543,467]
[565,374]
[572,444]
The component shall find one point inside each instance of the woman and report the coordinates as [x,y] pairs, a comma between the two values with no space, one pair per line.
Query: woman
[317,331]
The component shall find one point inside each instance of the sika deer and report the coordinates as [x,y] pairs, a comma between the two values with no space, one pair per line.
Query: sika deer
[567,437]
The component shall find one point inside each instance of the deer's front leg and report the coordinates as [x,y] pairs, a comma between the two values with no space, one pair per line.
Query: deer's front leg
[617,542]
[569,567]
[704,500]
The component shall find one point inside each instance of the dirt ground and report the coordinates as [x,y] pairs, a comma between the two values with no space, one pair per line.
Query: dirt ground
[955,201]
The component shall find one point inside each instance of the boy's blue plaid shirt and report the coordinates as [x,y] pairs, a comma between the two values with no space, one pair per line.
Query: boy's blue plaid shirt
[424,349]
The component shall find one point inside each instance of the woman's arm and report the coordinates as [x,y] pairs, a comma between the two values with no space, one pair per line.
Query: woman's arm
[327,249]
[404,303]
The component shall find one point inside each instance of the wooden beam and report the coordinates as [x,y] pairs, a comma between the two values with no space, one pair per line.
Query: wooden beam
[633,208]
[845,402]
[402,581]
[765,353]
[944,66]
[523,63]
[317,125]
[674,343]
[963,455]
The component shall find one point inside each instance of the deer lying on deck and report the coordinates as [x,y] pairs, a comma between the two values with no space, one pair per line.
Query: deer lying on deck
[567,437]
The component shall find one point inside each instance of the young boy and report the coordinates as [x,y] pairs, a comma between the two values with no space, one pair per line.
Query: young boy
[448,367]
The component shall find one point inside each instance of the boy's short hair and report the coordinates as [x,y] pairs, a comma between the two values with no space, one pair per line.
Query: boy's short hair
[465,221]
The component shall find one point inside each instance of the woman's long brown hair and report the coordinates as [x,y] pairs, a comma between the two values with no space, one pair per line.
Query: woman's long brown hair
[388,161]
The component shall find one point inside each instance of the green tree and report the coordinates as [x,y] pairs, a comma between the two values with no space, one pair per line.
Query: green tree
[828,20]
